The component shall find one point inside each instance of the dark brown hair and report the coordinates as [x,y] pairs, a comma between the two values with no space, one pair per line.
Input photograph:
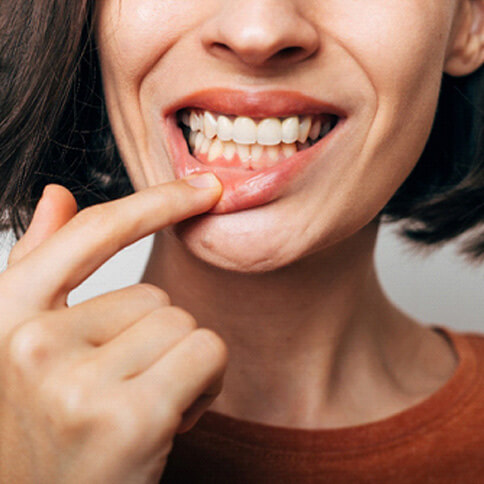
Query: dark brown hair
[54,129]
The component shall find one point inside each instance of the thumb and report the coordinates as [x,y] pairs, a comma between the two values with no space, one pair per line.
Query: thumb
[54,209]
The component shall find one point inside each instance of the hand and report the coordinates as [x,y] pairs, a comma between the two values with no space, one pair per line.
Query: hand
[95,393]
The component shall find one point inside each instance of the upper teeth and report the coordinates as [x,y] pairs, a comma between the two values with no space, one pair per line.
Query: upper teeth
[246,131]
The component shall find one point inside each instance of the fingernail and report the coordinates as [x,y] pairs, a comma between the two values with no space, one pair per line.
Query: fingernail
[206,180]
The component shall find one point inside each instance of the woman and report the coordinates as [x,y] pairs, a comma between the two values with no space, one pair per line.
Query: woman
[260,301]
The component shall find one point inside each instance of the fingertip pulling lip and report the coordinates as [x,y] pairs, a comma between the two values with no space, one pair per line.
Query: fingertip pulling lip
[256,104]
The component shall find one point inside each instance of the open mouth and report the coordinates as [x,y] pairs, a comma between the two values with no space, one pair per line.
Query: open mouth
[254,144]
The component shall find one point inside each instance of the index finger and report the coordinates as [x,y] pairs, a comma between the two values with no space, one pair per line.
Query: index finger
[96,233]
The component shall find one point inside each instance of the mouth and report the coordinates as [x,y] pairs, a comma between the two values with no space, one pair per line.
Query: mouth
[256,144]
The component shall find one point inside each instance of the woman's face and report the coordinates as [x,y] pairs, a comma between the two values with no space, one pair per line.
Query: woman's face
[262,73]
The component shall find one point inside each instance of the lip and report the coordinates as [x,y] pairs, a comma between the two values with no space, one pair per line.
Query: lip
[244,189]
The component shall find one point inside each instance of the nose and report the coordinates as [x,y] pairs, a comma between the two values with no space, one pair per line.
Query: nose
[261,33]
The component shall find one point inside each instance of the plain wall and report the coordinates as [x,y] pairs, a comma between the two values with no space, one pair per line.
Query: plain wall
[437,289]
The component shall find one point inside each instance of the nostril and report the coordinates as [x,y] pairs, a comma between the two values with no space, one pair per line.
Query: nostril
[220,47]
[289,53]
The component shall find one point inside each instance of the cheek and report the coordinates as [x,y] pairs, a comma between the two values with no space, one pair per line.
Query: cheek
[394,41]
[134,34]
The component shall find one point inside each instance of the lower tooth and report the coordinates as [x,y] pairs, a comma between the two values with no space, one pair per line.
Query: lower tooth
[205,146]
[289,150]
[229,150]
[244,153]
[273,152]
[216,150]
[192,139]
[199,140]
[256,152]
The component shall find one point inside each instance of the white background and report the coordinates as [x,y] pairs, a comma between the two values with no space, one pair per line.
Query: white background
[437,289]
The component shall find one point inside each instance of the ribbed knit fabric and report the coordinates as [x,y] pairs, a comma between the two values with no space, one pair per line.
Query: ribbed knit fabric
[438,441]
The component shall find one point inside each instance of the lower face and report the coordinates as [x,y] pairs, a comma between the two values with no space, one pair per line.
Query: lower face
[308,150]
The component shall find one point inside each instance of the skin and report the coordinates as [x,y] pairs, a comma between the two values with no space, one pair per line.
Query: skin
[314,342]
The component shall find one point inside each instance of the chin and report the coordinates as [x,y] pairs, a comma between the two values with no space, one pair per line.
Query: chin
[224,241]
[253,242]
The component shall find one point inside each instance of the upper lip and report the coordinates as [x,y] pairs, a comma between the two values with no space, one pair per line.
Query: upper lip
[256,104]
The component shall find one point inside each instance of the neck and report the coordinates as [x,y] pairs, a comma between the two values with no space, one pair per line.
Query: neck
[302,339]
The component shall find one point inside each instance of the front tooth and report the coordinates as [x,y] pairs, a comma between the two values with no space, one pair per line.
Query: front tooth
[229,149]
[269,132]
[215,150]
[304,129]
[244,153]
[198,140]
[315,129]
[225,128]
[256,151]
[205,145]
[289,150]
[209,125]
[290,129]
[273,152]
[245,131]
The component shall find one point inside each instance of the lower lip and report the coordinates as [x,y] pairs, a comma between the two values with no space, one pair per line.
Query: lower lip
[244,189]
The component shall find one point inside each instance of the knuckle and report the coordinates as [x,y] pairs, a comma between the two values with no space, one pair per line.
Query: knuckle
[30,345]
[69,405]
[97,219]
[181,317]
[212,343]
[153,291]
[128,422]
[169,417]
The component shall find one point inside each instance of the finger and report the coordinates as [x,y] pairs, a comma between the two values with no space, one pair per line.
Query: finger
[143,343]
[199,407]
[191,368]
[100,319]
[97,233]
[54,209]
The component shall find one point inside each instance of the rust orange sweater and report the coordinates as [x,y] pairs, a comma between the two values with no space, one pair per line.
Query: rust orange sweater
[440,440]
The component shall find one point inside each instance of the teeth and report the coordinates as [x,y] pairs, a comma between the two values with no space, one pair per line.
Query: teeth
[244,153]
[225,128]
[315,129]
[256,151]
[229,150]
[273,152]
[192,138]
[269,132]
[186,118]
[304,128]
[258,144]
[209,125]
[205,146]
[199,140]
[245,130]
[290,129]
[325,129]
[289,150]
[216,150]
[195,122]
